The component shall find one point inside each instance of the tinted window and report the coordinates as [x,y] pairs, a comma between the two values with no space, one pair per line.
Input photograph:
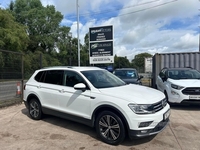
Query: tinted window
[126,74]
[72,78]
[54,77]
[39,76]
[183,74]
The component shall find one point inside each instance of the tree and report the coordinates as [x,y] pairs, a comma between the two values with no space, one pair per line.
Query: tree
[84,53]
[121,62]
[42,23]
[138,61]
[64,45]
[12,34]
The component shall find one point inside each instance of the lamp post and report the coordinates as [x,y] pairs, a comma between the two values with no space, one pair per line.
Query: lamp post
[70,47]
[77,11]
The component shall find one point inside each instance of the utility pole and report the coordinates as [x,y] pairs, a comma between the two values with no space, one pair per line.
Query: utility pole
[199,38]
[77,9]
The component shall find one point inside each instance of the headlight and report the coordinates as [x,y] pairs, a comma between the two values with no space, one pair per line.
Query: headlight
[140,109]
[176,87]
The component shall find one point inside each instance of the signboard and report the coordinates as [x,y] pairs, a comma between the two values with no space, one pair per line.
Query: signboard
[101,52]
[101,33]
[101,49]
[101,45]
[148,65]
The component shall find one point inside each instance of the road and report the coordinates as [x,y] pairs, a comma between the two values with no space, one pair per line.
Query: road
[19,132]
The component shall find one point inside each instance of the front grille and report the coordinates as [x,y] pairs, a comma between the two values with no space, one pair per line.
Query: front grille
[159,105]
[191,91]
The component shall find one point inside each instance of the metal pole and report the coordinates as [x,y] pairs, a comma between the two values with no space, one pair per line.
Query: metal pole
[22,81]
[70,59]
[78,32]
[40,60]
[199,38]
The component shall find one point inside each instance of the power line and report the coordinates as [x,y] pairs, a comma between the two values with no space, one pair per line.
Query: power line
[149,8]
[111,10]
[139,10]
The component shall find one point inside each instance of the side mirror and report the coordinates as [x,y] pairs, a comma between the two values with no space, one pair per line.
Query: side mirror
[163,77]
[80,86]
[140,77]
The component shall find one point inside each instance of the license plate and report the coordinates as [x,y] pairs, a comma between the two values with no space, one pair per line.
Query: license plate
[166,115]
[194,97]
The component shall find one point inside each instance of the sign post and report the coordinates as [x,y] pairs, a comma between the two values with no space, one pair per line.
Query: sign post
[101,45]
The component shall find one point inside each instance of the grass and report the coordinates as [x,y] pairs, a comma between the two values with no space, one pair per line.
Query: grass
[10,102]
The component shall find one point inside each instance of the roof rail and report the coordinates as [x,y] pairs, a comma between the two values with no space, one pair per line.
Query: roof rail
[58,67]
[189,67]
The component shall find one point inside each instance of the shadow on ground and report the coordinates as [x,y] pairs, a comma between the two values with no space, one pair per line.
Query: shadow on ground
[188,107]
[77,127]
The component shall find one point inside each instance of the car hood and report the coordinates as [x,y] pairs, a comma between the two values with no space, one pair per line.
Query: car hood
[134,93]
[135,81]
[186,82]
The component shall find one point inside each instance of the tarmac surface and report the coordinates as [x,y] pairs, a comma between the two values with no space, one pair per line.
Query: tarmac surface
[19,132]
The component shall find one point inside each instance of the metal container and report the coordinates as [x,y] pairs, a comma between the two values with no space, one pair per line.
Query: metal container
[174,60]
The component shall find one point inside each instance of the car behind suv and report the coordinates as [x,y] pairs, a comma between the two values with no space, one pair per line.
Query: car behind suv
[128,75]
[180,85]
[99,99]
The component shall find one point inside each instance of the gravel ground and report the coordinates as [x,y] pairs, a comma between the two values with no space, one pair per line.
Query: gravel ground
[19,132]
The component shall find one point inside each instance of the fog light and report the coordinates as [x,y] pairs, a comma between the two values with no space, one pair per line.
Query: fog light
[174,93]
[145,124]
[144,131]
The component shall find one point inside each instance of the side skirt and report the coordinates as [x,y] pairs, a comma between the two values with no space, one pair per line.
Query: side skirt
[81,120]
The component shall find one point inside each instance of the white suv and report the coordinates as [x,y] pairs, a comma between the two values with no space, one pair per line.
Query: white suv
[97,98]
[180,85]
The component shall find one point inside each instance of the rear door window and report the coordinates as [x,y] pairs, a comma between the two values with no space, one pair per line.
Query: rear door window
[54,77]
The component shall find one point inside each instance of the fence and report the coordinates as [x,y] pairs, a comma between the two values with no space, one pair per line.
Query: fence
[11,77]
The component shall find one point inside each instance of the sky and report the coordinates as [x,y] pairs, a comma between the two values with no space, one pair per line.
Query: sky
[151,26]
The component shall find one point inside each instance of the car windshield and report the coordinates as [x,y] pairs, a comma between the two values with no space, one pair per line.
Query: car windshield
[184,74]
[126,74]
[102,78]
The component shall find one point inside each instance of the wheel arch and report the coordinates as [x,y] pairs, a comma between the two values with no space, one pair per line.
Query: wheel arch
[112,109]
[31,96]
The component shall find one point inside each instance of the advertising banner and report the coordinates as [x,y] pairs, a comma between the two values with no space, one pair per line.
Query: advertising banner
[101,52]
[101,45]
[101,33]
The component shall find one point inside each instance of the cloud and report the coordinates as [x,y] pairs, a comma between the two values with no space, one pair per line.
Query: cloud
[153,26]
[187,41]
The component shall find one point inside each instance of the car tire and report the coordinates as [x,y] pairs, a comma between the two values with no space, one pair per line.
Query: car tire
[35,110]
[110,128]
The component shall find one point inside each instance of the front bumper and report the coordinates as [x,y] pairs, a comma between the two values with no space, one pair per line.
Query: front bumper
[147,132]
[179,97]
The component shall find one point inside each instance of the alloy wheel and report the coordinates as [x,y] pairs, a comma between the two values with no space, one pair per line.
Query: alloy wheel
[109,127]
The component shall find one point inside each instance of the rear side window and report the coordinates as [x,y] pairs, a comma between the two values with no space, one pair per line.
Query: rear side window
[40,76]
[54,77]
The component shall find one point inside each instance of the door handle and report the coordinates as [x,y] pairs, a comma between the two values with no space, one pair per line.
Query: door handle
[39,86]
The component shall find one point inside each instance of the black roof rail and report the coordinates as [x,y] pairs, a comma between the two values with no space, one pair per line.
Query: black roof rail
[189,67]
